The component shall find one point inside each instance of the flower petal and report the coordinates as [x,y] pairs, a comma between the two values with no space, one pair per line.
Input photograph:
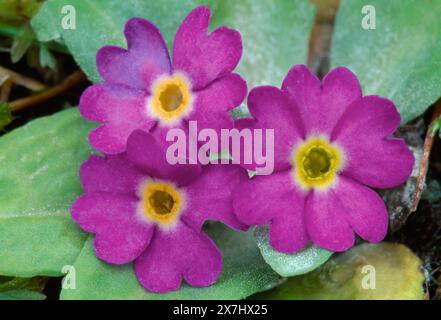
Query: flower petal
[121,237]
[121,109]
[258,200]
[110,174]
[304,90]
[150,157]
[326,222]
[364,210]
[203,57]
[107,139]
[287,232]
[146,58]
[104,102]
[371,157]
[213,103]
[339,90]
[273,199]
[321,106]
[268,105]
[172,255]
[209,197]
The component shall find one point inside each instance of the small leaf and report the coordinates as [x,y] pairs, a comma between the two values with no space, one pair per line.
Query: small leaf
[47,59]
[437,127]
[400,59]
[14,15]
[22,43]
[244,273]
[38,182]
[6,116]
[385,271]
[288,265]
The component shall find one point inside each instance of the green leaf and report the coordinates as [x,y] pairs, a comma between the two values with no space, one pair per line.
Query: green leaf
[437,127]
[275,34]
[21,295]
[14,14]
[47,59]
[385,271]
[400,59]
[13,10]
[244,273]
[6,116]
[22,43]
[38,182]
[288,265]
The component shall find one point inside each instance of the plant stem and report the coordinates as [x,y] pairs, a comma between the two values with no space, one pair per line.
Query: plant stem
[70,82]
[21,80]
[427,148]
[5,90]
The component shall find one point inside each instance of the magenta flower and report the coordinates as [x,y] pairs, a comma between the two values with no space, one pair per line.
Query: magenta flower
[145,210]
[331,146]
[143,89]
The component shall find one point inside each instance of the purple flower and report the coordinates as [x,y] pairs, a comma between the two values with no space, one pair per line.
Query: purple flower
[332,145]
[143,89]
[145,210]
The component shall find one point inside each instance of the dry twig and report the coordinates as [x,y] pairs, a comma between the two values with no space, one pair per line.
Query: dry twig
[70,82]
[428,143]
[21,80]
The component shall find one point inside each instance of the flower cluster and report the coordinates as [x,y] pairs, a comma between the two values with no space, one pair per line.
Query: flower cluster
[331,146]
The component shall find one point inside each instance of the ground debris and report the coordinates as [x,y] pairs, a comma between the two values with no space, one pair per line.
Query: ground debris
[399,200]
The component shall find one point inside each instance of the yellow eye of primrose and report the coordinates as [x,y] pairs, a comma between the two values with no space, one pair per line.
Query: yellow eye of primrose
[316,163]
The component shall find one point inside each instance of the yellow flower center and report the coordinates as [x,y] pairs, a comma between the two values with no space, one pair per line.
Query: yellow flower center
[171,98]
[161,202]
[316,163]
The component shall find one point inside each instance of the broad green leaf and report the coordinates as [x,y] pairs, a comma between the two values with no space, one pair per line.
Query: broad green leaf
[38,182]
[400,59]
[275,36]
[288,265]
[244,273]
[21,295]
[385,271]
[274,33]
